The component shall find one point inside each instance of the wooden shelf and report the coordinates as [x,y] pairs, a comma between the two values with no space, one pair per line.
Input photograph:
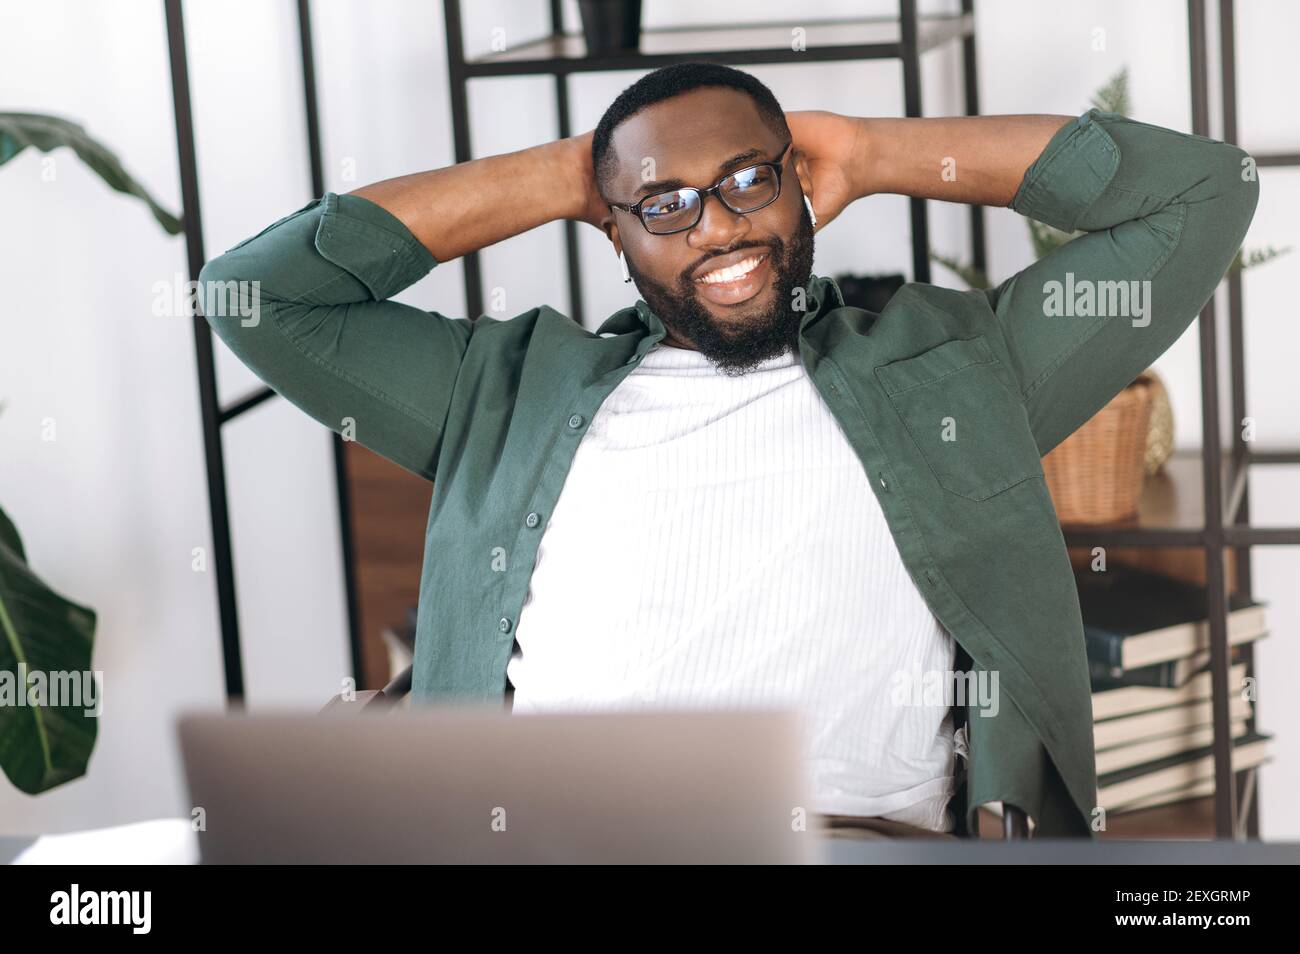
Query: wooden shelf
[1192,820]
[1171,510]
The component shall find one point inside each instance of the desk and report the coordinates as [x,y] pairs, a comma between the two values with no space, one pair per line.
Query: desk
[11,846]
[1042,851]
[986,852]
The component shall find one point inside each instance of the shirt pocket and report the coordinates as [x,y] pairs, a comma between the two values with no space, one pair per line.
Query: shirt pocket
[968,425]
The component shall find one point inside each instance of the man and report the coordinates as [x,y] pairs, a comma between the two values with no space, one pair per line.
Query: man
[740,490]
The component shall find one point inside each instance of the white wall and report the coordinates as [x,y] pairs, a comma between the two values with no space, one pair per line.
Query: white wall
[112,509]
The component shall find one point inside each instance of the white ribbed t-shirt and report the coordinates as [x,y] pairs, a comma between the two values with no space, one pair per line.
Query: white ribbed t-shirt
[717,542]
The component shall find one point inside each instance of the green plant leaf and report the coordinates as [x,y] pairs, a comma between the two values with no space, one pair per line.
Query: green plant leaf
[41,746]
[47,133]
[9,536]
[1046,238]
[971,275]
[1258,256]
[1113,97]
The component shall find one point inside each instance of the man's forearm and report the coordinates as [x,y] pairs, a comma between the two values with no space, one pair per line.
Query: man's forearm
[979,160]
[469,206]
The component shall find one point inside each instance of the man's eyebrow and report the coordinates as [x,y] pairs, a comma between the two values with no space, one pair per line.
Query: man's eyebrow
[739,160]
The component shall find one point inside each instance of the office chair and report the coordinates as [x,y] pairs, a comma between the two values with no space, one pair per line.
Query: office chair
[373,698]
[1015,823]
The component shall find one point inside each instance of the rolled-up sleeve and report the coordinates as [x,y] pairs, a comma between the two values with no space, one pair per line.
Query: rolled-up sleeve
[304,304]
[1165,213]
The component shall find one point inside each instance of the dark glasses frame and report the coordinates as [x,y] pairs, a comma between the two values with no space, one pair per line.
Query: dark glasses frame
[777,166]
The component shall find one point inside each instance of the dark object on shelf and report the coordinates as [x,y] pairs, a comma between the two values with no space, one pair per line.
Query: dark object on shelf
[870,292]
[610,25]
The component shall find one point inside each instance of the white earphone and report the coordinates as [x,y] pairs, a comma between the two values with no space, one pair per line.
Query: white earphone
[623,262]
[811,214]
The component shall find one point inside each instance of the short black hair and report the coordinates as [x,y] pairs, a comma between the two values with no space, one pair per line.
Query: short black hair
[670,81]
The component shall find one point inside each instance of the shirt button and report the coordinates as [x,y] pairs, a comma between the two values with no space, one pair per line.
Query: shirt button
[504,625]
[532,519]
[575,421]
[633,359]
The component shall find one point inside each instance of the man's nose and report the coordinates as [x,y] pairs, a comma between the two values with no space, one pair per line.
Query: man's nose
[718,225]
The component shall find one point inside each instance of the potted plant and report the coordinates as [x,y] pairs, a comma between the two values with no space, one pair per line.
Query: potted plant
[46,738]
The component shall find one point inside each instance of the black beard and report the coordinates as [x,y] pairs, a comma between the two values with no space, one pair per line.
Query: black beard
[736,351]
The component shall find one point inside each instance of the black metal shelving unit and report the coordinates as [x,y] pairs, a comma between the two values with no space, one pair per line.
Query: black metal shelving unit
[1224,488]
[215,415]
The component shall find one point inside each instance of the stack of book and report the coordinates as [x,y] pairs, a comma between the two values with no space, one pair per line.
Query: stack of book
[1148,643]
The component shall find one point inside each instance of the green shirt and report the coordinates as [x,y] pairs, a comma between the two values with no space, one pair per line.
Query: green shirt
[492,411]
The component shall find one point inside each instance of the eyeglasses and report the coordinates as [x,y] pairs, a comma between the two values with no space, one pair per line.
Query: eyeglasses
[743,192]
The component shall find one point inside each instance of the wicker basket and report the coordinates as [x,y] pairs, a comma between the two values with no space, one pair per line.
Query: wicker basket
[1095,475]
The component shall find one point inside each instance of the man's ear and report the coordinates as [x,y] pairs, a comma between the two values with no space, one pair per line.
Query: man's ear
[802,170]
[610,227]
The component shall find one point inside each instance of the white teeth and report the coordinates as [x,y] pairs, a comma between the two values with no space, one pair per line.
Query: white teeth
[731,273]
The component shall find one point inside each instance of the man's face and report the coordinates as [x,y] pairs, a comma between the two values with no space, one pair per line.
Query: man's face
[694,140]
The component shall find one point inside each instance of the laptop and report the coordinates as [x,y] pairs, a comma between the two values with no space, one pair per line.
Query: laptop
[476,784]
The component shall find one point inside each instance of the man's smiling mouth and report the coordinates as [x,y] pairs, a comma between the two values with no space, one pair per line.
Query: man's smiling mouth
[737,282]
